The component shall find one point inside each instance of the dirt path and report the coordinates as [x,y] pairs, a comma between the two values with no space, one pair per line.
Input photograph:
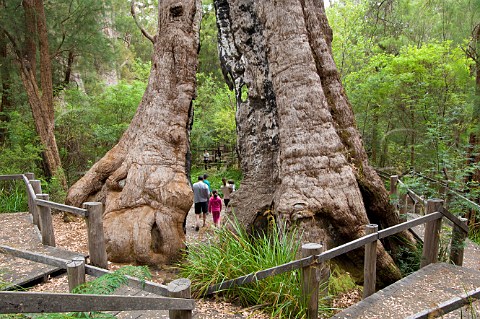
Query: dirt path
[72,236]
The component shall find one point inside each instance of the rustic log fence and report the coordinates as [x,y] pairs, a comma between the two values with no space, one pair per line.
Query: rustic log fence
[310,263]
[314,257]
[40,207]
[176,296]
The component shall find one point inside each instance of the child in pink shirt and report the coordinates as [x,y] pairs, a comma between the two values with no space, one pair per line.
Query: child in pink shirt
[215,207]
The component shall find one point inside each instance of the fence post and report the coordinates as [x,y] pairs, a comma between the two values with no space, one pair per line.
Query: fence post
[37,189]
[393,184]
[96,238]
[403,208]
[370,263]
[457,243]
[31,202]
[46,222]
[180,288]
[311,277]
[75,272]
[432,234]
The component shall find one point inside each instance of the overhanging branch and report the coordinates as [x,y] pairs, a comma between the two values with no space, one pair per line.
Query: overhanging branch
[134,15]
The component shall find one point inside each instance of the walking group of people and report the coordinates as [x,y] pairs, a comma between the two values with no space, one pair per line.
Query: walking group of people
[207,200]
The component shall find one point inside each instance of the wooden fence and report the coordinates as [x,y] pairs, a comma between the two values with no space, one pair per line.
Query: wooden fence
[313,261]
[40,207]
[314,257]
[178,300]
[178,294]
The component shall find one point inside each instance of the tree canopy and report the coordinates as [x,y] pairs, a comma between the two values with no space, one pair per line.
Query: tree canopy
[410,68]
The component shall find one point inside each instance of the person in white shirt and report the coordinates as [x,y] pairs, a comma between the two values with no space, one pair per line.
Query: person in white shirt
[200,199]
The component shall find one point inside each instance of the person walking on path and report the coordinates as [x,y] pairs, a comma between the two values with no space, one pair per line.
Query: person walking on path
[226,192]
[200,198]
[206,181]
[206,158]
[231,185]
[215,207]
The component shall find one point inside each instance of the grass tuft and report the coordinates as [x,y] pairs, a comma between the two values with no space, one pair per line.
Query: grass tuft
[231,253]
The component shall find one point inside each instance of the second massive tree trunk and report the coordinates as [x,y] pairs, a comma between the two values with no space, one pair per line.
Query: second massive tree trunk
[301,154]
[143,180]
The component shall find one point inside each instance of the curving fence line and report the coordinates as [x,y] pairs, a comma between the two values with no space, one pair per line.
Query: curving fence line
[40,207]
[176,296]
[314,256]
[313,266]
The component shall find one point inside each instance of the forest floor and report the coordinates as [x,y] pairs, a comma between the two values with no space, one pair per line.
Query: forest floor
[72,236]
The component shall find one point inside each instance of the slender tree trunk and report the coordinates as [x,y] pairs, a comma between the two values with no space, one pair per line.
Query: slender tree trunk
[301,154]
[4,73]
[40,98]
[30,45]
[375,142]
[5,103]
[68,71]
[143,180]
[473,153]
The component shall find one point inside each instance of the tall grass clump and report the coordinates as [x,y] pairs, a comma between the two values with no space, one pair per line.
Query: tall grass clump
[231,253]
[13,197]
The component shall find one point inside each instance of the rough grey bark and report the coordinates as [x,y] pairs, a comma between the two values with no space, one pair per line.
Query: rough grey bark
[143,180]
[301,154]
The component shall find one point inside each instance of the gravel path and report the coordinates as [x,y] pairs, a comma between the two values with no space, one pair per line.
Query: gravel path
[72,236]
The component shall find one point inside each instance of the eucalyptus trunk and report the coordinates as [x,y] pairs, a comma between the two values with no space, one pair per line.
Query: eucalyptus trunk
[39,91]
[300,151]
[143,179]
[473,155]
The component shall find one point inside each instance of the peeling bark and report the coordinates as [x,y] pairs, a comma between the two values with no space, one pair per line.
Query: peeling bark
[300,150]
[143,180]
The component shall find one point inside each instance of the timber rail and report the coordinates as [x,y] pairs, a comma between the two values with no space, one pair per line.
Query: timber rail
[314,256]
[176,297]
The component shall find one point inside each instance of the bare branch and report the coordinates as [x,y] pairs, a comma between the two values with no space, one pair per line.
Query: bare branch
[144,32]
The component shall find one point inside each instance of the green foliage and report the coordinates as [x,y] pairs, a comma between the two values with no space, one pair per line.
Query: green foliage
[13,197]
[340,282]
[208,56]
[21,151]
[408,257]
[89,126]
[214,115]
[231,253]
[107,284]
[420,98]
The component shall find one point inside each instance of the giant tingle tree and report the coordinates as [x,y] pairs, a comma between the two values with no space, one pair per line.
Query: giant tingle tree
[143,179]
[302,157]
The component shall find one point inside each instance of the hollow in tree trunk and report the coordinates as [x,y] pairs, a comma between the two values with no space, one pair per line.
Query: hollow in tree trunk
[143,180]
[300,151]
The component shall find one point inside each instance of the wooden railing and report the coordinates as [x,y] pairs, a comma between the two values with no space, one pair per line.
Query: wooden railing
[40,207]
[314,256]
[312,261]
[178,293]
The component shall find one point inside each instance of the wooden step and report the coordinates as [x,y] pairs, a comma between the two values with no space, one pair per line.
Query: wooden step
[424,289]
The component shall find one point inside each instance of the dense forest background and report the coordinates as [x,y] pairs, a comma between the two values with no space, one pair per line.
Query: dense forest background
[410,69]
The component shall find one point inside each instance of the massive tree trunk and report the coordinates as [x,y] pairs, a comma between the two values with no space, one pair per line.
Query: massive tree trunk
[143,179]
[301,154]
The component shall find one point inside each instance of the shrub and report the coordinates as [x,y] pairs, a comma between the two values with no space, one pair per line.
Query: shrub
[232,253]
